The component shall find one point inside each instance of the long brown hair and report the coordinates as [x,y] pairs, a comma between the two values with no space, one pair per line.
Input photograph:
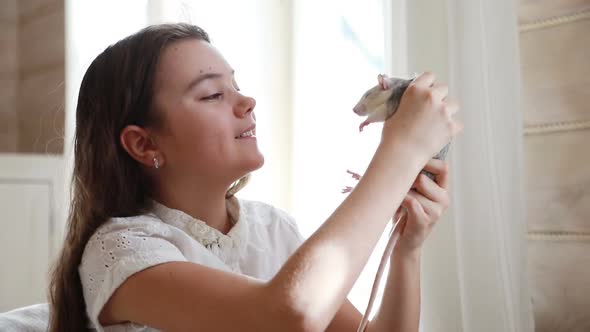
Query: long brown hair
[116,91]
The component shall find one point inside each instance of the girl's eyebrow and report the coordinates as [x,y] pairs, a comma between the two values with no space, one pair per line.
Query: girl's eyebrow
[208,76]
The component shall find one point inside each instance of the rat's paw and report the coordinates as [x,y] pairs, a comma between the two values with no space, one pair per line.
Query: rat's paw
[363,125]
[355,176]
[347,189]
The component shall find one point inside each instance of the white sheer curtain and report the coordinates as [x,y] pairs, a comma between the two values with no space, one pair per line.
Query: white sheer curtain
[475,274]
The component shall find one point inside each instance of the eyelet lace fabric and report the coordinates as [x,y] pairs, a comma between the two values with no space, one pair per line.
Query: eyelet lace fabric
[226,247]
[260,241]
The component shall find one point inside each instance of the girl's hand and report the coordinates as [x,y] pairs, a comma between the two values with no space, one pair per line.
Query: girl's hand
[425,203]
[424,118]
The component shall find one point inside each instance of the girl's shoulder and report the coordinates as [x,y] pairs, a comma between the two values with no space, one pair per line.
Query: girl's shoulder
[147,223]
[124,241]
[119,248]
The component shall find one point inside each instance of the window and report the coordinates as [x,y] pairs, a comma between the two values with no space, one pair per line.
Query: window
[338,52]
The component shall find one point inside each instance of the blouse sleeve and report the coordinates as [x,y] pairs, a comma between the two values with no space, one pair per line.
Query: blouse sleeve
[119,249]
[289,235]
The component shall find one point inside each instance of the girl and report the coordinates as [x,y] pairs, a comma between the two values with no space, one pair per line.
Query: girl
[156,239]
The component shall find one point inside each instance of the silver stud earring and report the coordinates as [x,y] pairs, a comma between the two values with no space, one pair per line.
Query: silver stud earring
[156,163]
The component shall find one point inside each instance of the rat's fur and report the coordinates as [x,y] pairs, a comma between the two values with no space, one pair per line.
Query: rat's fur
[380,102]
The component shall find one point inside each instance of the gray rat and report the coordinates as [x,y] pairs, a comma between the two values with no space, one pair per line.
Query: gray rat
[380,102]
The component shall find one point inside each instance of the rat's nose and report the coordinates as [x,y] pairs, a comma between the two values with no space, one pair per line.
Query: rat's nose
[359,109]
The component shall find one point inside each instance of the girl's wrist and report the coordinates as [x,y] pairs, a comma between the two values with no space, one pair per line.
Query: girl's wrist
[406,254]
[401,149]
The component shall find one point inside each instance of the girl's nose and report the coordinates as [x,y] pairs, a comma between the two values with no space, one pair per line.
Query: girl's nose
[245,105]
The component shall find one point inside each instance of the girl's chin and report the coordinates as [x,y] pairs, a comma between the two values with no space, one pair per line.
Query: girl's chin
[256,164]
[251,165]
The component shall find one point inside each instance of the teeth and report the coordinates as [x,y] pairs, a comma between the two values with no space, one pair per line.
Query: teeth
[249,133]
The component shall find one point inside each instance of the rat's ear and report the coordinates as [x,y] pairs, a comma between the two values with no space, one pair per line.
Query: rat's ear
[383,81]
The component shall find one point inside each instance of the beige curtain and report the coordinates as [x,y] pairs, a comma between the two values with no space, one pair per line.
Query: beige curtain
[555,57]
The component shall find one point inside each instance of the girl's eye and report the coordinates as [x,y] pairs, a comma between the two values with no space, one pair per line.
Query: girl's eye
[213,96]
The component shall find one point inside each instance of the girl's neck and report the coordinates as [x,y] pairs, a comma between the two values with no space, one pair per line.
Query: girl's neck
[209,206]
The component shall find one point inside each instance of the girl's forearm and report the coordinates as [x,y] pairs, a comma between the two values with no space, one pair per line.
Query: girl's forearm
[400,306]
[318,276]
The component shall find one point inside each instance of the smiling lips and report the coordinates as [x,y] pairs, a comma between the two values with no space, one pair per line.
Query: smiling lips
[250,132]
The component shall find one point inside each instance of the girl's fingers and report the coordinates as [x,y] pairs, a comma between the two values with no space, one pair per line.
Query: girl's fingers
[451,106]
[414,206]
[440,169]
[440,90]
[431,191]
[426,79]
[428,209]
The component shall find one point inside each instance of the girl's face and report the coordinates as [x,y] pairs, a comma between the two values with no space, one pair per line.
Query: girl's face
[205,115]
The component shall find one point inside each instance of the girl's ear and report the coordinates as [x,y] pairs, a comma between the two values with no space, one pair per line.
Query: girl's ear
[139,145]
[383,81]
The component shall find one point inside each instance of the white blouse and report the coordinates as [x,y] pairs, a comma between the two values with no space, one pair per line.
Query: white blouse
[257,245]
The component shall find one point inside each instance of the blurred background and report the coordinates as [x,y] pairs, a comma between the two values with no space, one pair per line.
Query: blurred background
[514,246]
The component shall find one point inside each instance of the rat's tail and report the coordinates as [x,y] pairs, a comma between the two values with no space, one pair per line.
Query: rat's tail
[393,237]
